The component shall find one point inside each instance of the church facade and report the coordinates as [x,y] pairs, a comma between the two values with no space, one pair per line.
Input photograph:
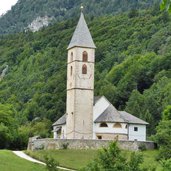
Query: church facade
[89,117]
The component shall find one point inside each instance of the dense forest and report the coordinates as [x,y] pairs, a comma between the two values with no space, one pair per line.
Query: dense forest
[133,70]
[25,11]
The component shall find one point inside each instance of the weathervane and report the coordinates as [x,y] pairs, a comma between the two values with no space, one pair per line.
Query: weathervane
[82,8]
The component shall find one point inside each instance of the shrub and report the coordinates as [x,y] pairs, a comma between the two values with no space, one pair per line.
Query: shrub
[110,158]
[142,147]
[65,146]
[166,164]
[51,164]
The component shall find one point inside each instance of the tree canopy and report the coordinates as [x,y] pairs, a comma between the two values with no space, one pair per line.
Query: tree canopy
[132,68]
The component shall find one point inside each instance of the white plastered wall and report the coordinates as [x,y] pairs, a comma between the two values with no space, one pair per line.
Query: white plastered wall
[101,105]
[110,129]
[139,135]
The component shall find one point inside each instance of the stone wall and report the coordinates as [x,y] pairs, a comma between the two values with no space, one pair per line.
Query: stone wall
[46,144]
[107,136]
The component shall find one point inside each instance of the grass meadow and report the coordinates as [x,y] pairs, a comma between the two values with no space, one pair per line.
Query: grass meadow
[11,162]
[77,159]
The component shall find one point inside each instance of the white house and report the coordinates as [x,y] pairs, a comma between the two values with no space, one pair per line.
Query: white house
[89,117]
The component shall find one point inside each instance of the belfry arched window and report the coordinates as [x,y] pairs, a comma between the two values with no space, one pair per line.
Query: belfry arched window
[84,69]
[71,56]
[103,124]
[85,56]
[117,125]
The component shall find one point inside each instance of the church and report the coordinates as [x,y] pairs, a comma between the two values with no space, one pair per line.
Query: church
[89,117]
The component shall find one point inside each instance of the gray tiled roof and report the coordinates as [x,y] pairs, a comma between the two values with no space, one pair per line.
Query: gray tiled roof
[110,115]
[132,119]
[82,36]
[96,98]
[60,121]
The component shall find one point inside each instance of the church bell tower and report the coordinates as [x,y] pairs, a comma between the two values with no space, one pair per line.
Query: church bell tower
[80,83]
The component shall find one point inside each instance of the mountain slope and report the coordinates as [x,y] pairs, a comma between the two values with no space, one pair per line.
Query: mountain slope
[27,12]
[132,69]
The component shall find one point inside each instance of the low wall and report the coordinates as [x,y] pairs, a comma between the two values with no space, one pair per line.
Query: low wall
[37,144]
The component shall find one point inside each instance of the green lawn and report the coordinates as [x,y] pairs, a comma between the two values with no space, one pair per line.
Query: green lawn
[74,159]
[77,159]
[149,159]
[10,162]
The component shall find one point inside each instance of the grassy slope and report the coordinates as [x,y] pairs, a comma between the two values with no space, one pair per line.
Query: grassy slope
[74,159]
[77,159]
[149,159]
[10,162]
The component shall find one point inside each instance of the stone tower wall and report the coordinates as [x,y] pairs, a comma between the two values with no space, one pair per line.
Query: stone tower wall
[80,94]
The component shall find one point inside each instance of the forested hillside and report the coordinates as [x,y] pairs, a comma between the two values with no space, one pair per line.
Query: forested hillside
[133,70]
[25,11]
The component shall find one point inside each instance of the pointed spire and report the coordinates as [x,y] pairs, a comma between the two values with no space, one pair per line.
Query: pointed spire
[82,36]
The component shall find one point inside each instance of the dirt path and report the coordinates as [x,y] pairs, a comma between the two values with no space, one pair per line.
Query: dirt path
[25,156]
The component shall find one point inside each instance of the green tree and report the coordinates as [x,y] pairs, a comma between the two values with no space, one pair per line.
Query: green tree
[166,4]
[166,164]
[51,164]
[5,136]
[8,126]
[111,158]
[163,134]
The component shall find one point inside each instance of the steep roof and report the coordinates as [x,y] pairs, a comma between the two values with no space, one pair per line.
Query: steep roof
[82,36]
[96,98]
[60,121]
[131,118]
[110,115]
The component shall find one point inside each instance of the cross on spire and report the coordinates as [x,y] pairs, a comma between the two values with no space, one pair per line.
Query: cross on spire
[82,8]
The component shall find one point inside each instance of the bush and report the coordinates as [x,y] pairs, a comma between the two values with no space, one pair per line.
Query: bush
[65,146]
[142,147]
[110,158]
[166,164]
[51,164]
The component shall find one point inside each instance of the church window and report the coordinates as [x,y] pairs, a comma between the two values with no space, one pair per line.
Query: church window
[117,125]
[84,69]
[71,70]
[135,129]
[126,126]
[99,137]
[85,56]
[71,56]
[103,124]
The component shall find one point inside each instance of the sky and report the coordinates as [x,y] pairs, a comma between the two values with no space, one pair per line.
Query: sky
[6,5]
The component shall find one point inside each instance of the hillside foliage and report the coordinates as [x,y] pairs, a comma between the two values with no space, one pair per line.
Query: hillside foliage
[25,11]
[133,70]
[111,158]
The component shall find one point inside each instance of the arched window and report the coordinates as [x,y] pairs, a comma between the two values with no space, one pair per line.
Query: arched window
[71,71]
[117,125]
[84,69]
[85,56]
[71,56]
[103,124]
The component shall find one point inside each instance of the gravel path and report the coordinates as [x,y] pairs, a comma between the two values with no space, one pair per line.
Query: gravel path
[25,156]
